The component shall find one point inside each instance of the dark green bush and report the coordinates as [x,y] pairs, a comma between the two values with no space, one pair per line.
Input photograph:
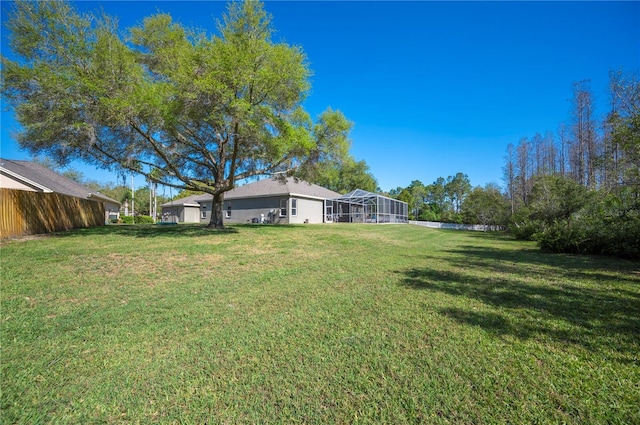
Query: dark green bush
[561,237]
[143,219]
[593,235]
[429,215]
[127,219]
[525,230]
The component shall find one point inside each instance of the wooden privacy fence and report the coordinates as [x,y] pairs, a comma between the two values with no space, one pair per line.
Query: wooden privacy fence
[27,213]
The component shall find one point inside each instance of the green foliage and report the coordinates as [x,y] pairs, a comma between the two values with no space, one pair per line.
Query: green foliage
[557,198]
[186,192]
[354,175]
[553,199]
[485,206]
[562,237]
[557,210]
[428,215]
[143,219]
[333,167]
[186,109]
[440,201]
[624,126]
[566,217]
[414,196]
[138,219]
[525,228]
[589,235]
[456,190]
[608,226]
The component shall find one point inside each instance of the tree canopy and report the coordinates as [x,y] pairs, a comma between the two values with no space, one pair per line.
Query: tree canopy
[183,108]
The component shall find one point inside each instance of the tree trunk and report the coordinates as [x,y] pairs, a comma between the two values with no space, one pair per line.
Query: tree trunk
[217,211]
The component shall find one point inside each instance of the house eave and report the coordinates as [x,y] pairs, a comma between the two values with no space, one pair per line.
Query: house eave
[25,180]
[98,197]
[188,204]
[299,195]
[274,195]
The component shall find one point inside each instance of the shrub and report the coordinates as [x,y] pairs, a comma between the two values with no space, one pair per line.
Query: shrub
[592,234]
[143,219]
[561,237]
[525,229]
[429,215]
[127,219]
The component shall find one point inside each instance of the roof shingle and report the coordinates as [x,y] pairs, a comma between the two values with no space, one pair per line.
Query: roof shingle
[263,188]
[51,180]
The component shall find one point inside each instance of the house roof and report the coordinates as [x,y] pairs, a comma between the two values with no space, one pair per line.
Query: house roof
[263,188]
[274,187]
[189,201]
[45,180]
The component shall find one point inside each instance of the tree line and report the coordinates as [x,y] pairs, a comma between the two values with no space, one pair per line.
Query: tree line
[576,190]
[579,190]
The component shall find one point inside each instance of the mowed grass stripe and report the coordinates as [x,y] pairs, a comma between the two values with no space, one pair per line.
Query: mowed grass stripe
[314,324]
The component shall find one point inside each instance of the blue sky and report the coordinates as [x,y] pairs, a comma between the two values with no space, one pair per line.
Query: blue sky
[433,88]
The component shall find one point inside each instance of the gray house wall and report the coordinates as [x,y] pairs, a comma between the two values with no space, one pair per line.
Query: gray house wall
[191,214]
[309,210]
[181,214]
[245,210]
[111,211]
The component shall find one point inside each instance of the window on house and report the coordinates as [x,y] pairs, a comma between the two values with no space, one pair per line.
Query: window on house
[294,207]
[227,214]
[283,207]
[203,214]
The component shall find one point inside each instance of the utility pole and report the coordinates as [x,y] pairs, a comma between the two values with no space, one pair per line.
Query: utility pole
[151,199]
[133,193]
[155,201]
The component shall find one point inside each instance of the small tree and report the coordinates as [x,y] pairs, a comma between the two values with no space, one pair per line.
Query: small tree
[485,205]
[456,189]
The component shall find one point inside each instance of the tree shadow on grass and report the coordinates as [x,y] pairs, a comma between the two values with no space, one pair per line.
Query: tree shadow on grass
[150,231]
[173,230]
[570,300]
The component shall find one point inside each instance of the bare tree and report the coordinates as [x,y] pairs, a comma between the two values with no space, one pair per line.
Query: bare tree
[523,169]
[550,154]
[509,174]
[584,150]
[537,148]
[563,141]
[625,125]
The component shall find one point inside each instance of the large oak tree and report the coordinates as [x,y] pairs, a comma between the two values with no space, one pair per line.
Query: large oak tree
[183,108]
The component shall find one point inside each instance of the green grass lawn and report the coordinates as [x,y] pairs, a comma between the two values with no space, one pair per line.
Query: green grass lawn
[314,324]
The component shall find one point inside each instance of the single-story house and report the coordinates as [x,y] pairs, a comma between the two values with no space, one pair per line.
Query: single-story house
[30,176]
[264,201]
[289,202]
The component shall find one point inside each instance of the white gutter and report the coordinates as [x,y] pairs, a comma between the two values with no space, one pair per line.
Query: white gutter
[25,180]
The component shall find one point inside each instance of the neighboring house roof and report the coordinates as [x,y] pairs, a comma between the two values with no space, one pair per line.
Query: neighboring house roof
[44,180]
[263,188]
[189,201]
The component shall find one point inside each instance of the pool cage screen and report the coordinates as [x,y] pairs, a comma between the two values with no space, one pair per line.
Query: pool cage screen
[361,206]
